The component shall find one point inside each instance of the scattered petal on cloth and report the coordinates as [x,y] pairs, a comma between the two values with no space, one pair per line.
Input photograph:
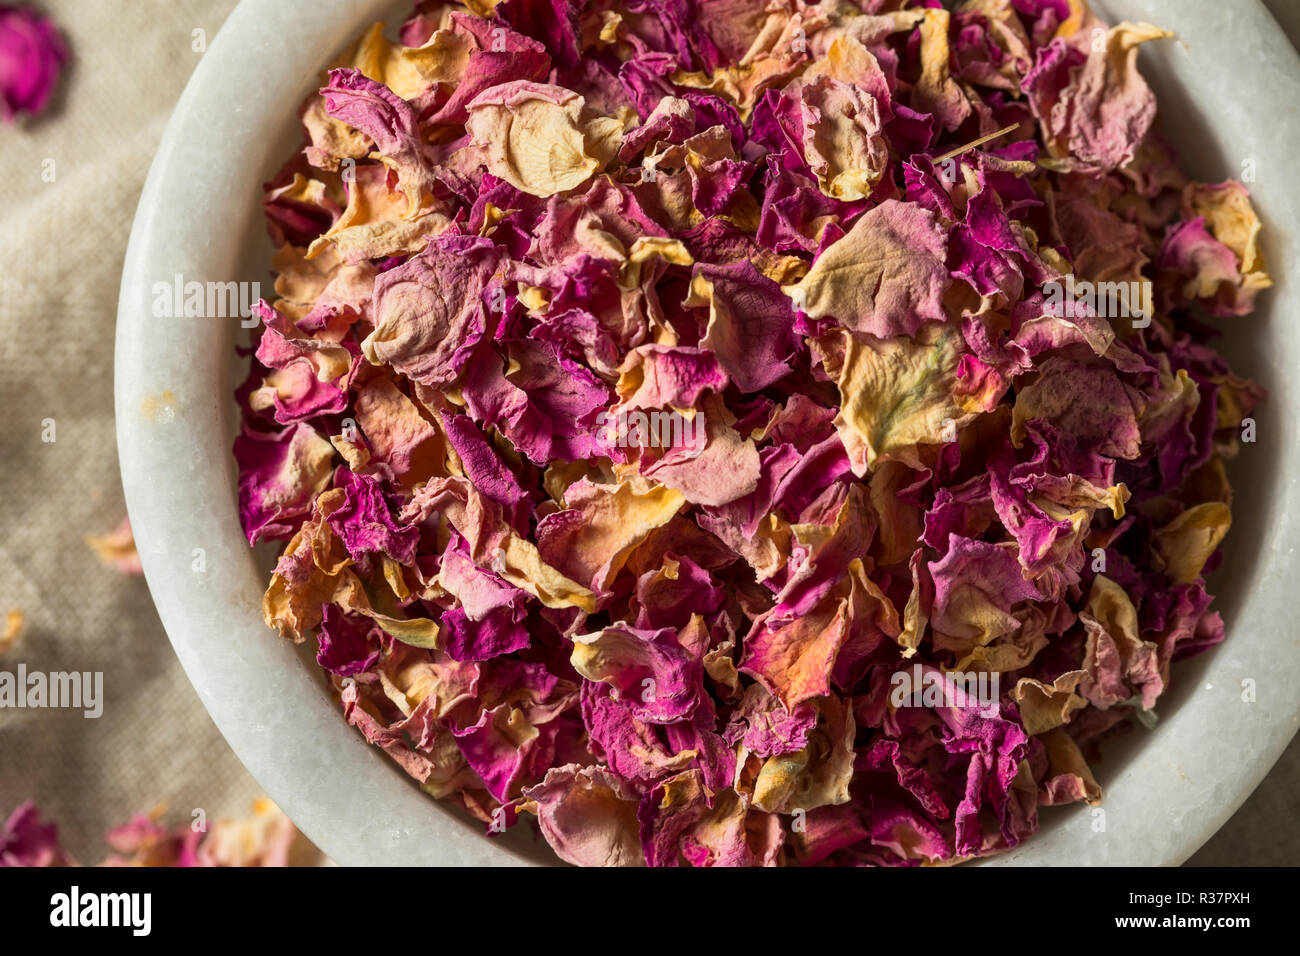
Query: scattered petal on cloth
[747,434]
[267,838]
[13,630]
[26,841]
[32,54]
[117,549]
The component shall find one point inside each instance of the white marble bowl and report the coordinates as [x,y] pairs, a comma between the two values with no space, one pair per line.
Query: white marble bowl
[1228,93]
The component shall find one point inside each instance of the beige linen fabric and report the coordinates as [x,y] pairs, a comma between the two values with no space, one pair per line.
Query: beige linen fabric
[61,250]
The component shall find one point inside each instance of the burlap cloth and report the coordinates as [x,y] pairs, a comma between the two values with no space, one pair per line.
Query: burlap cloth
[61,250]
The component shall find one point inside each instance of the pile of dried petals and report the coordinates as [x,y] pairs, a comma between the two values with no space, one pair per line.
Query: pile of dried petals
[653,384]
